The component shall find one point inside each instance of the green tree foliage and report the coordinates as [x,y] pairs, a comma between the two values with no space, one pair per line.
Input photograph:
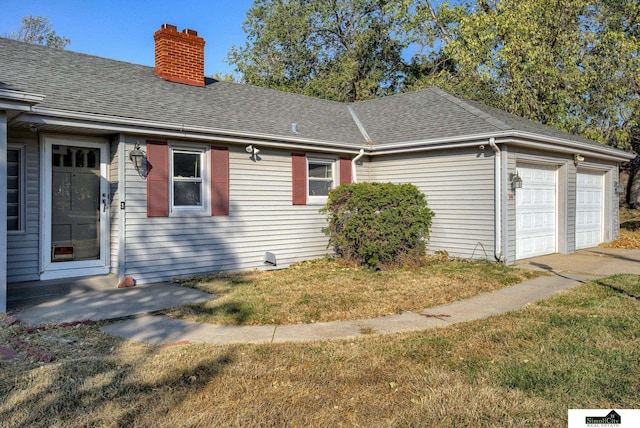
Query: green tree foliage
[378,224]
[38,30]
[572,64]
[345,50]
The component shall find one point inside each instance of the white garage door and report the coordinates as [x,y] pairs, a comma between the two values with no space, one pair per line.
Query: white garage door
[589,208]
[536,211]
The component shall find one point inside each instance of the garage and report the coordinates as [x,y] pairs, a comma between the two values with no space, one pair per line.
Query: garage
[536,211]
[589,208]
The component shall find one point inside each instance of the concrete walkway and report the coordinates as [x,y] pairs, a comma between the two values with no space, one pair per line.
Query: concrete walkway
[567,270]
[93,298]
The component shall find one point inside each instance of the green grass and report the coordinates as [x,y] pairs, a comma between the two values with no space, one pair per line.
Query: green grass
[579,349]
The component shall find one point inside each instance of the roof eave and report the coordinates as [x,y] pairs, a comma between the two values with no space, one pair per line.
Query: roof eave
[114,124]
[523,139]
[11,99]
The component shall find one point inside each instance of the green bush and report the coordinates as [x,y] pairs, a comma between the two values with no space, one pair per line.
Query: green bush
[378,224]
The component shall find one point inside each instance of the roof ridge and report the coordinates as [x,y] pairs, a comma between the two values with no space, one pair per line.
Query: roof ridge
[473,110]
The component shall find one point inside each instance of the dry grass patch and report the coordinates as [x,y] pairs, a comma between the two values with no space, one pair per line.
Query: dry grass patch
[324,290]
[580,349]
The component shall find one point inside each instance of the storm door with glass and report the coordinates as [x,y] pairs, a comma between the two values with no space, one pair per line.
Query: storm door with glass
[76,203]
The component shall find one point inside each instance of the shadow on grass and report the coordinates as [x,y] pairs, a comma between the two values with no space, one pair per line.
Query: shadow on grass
[617,289]
[234,312]
[105,391]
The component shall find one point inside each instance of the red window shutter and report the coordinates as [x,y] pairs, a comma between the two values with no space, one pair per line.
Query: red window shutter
[299,178]
[345,171]
[157,179]
[219,181]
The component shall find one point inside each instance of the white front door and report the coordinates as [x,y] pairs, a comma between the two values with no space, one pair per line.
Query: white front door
[75,202]
[589,212]
[536,211]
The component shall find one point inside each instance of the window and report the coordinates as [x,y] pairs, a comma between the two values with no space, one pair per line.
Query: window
[320,178]
[15,192]
[313,178]
[187,184]
[187,180]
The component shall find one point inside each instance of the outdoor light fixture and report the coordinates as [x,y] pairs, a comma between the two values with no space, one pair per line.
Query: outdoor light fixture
[516,181]
[577,158]
[252,150]
[137,156]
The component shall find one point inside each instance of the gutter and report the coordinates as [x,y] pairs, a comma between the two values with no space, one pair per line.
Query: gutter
[354,176]
[497,209]
[44,115]
[47,116]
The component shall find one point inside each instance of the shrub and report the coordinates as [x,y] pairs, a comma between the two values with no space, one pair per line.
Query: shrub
[378,224]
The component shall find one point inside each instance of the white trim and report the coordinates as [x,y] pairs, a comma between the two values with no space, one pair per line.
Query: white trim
[22,189]
[204,209]
[43,115]
[3,212]
[26,97]
[317,200]
[73,272]
[122,213]
[48,269]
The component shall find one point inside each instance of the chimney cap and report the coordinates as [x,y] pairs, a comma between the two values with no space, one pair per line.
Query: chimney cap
[190,32]
[169,27]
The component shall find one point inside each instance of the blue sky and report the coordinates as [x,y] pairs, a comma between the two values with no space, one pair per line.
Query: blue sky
[123,29]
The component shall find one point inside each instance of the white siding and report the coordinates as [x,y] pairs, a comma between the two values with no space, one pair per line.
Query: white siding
[262,218]
[114,211]
[23,247]
[459,186]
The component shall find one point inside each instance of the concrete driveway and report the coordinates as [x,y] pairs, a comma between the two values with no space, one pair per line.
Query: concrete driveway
[592,262]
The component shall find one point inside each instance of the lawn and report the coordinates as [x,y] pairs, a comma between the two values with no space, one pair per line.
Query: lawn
[579,349]
[325,290]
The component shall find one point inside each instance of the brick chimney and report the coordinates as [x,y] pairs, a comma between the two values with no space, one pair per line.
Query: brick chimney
[179,55]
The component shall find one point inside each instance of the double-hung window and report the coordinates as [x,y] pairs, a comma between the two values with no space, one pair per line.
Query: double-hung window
[188,184]
[320,178]
[15,191]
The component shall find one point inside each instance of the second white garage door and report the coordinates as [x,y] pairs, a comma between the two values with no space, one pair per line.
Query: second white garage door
[589,204]
[536,211]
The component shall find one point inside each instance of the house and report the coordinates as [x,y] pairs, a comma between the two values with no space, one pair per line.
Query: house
[154,173]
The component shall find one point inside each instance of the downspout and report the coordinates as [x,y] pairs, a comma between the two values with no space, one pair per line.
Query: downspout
[497,169]
[354,177]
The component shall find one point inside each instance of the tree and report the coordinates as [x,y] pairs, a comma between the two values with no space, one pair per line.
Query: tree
[572,64]
[38,30]
[345,50]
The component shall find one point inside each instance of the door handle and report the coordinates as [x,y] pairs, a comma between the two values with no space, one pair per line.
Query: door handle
[104,202]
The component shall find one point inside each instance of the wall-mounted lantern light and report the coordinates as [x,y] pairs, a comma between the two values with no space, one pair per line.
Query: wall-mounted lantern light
[577,158]
[516,181]
[618,187]
[137,156]
[252,150]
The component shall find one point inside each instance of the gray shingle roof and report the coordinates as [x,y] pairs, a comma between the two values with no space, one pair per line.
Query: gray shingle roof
[88,84]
